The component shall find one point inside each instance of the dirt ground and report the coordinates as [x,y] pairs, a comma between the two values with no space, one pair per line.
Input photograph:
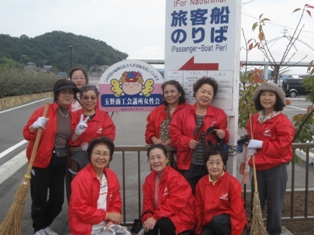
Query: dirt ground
[297,227]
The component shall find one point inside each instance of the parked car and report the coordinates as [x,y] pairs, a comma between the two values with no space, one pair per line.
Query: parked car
[293,87]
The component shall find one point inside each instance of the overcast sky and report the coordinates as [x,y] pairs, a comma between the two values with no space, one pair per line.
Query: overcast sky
[137,27]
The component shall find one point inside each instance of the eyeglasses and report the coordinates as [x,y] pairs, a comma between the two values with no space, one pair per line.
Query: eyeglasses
[99,154]
[85,97]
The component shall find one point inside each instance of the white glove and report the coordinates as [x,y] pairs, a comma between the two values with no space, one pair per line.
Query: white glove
[40,122]
[251,152]
[82,126]
[255,144]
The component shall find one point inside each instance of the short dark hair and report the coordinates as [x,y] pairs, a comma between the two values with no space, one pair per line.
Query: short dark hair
[104,140]
[277,107]
[157,146]
[63,83]
[179,88]
[205,80]
[87,88]
[77,69]
[216,150]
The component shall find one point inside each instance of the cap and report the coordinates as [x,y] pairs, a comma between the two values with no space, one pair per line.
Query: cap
[65,84]
[270,86]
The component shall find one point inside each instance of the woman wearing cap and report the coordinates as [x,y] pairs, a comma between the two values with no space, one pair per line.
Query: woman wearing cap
[158,121]
[218,198]
[79,77]
[95,203]
[49,165]
[186,124]
[272,147]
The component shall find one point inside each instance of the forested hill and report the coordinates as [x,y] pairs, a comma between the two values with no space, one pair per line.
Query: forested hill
[54,49]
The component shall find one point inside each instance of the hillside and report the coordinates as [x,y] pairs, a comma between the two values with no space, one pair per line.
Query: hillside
[54,49]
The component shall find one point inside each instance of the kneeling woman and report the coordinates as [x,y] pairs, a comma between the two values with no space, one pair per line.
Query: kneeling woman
[95,202]
[218,199]
[168,200]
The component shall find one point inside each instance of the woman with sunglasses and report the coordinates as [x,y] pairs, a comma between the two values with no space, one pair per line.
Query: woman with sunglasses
[91,123]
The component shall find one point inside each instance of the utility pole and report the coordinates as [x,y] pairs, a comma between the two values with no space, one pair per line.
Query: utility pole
[71,58]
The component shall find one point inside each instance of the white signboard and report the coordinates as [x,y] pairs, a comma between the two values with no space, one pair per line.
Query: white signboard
[130,86]
[203,39]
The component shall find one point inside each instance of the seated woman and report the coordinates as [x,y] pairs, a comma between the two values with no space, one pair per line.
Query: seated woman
[95,202]
[158,121]
[218,198]
[167,197]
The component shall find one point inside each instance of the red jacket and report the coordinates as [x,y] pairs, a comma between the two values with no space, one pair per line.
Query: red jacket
[100,125]
[83,212]
[175,199]
[46,143]
[182,130]
[225,197]
[155,118]
[277,136]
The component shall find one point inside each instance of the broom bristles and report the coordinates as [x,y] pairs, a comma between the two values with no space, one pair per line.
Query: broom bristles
[257,225]
[12,223]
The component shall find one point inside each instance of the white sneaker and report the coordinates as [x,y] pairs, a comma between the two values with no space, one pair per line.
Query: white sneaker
[41,232]
[49,231]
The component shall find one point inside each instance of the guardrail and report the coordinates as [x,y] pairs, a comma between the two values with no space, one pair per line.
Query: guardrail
[131,165]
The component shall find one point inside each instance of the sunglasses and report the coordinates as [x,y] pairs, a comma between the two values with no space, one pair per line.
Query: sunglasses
[86,97]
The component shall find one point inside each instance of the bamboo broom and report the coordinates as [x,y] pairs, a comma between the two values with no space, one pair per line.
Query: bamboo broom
[12,224]
[257,225]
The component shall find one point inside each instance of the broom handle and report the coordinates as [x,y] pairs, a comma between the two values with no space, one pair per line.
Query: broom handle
[197,137]
[253,158]
[30,165]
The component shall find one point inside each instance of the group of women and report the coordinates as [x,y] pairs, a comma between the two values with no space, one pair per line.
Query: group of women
[199,196]
[197,133]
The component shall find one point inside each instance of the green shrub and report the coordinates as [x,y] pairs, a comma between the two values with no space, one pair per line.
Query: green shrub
[16,82]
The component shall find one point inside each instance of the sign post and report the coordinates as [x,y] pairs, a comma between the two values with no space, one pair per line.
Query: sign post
[203,39]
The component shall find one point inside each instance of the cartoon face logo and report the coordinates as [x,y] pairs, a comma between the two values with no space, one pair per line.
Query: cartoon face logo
[131,83]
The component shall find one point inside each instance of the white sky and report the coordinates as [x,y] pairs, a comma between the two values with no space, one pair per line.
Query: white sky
[137,27]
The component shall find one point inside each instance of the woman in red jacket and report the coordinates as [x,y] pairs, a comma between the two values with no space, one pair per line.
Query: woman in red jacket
[95,202]
[186,123]
[167,196]
[272,146]
[158,121]
[49,165]
[91,123]
[218,198]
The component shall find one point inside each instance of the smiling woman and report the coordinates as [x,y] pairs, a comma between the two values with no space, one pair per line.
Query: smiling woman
[95,202]
[168,202]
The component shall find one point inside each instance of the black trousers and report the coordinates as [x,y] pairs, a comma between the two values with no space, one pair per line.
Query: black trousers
[193,174]
[219,225]
[47,193]
[166,227]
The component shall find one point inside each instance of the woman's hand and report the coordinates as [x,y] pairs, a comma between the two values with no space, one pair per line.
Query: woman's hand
[220,133]
[114,216]
[155,140]
[193,144]
[167,143]
[149,224]
[108,225]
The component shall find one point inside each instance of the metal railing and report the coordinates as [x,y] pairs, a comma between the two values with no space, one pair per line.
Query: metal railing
[131,165]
